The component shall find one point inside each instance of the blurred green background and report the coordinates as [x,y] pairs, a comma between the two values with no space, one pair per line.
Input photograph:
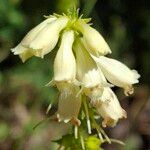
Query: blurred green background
[23,96]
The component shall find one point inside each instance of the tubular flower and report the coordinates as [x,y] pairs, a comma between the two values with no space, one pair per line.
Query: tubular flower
[64,78]
[64,63]
[88,73]
[110,109]
[69,105]
[41,39]
[47,38]
[93,40]
[118,73]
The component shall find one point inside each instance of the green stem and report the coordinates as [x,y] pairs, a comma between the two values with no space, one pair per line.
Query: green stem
[82,142]
[99,129]
[105,135]
[87,115]
[42,121]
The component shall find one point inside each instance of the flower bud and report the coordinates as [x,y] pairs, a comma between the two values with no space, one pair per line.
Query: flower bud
[118,73]
[93,40]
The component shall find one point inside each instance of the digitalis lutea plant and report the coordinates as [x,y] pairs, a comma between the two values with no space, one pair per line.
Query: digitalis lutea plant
[83,74]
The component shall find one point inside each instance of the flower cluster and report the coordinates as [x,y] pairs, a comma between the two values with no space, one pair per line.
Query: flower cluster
[80,67]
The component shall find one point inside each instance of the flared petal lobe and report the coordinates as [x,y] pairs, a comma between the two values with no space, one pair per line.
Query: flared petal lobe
[64,63]
[110,109]
[93,40]
[118,73]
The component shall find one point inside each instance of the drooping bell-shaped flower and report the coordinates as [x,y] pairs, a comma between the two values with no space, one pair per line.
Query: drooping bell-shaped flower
[118,73]
[22,48]
[64,78]
[48,37]
[88,73]
[41,39]
[93,40]
[64,63]
[110,109]
[69,105]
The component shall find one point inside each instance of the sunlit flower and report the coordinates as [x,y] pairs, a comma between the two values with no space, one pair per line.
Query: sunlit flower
[41,39]
[110,109]
[118,73]
[88,73]
[93,40]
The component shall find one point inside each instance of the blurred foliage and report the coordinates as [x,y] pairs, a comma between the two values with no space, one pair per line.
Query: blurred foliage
[23,96]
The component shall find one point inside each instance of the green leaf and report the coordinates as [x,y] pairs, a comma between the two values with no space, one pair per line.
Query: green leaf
[68,141]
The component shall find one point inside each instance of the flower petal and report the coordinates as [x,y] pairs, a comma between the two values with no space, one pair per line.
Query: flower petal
[47,38]
[93,40]
[87,71]
[110,110]
[22,48]
[33,33]
[64,63]
[118,73]
[69,105]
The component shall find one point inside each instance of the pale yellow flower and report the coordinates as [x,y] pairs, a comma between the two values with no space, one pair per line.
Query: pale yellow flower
[118,73]
[41,39]
[90,76]
[69,105]
[93,40]
[110,109]
[48,37]
[64,63]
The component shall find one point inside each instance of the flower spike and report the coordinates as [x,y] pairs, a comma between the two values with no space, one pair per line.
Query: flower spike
[83,77]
